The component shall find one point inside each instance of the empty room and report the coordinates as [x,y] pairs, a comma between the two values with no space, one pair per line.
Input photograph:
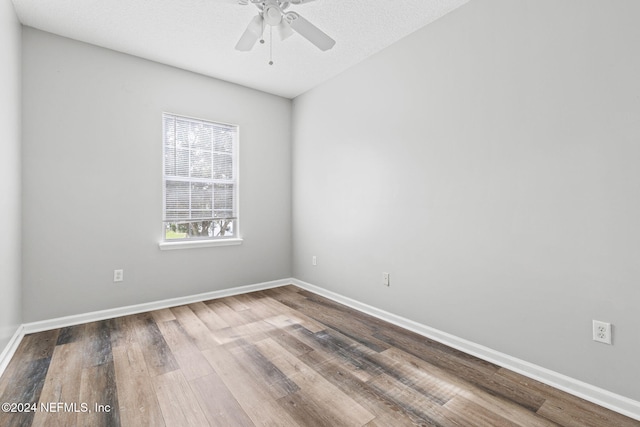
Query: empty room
[320,213]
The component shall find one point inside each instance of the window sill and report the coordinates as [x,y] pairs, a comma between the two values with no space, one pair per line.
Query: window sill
[169,246]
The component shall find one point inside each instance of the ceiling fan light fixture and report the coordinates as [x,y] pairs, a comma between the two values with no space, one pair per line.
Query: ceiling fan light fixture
[272,15]
[284,30]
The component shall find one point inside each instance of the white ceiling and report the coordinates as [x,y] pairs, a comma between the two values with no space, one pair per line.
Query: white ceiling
[200,35]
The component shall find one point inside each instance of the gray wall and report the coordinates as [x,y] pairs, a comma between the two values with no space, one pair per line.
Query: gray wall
[93,180]
[10,293]
[489,162]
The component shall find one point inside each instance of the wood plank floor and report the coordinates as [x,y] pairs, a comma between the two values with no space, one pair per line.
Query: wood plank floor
[282,357]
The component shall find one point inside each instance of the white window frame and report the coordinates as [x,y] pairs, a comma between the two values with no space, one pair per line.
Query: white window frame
[204,241]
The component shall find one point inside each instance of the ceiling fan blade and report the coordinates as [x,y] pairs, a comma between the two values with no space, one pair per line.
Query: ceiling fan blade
[309,31]
[284,30]
[250,35]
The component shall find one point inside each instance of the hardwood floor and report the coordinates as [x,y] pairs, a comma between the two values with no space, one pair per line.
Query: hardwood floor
[282,357]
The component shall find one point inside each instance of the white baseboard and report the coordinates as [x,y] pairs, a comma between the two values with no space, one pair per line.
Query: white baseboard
[599,396]
[95,316]
[10,348]
[61,322]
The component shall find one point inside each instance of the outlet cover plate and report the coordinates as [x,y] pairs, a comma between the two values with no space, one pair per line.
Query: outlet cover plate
[602,332]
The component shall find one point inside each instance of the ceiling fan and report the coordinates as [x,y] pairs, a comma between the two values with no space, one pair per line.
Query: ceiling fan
[274,13]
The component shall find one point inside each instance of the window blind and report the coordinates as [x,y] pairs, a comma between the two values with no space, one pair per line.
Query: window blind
[200,178]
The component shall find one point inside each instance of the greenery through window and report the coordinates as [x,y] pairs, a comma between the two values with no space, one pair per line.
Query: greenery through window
[200,179]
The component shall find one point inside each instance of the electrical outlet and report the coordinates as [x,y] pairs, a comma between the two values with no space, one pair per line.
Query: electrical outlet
[385,279]
[118,275]
[602,332]
[314,260]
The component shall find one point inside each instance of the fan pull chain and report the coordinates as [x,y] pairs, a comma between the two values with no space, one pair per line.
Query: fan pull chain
[262,33]
[270,45]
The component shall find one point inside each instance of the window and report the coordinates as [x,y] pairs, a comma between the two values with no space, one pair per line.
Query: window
[200,180]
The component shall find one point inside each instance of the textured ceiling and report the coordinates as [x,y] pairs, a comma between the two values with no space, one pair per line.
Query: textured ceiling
[200,35]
